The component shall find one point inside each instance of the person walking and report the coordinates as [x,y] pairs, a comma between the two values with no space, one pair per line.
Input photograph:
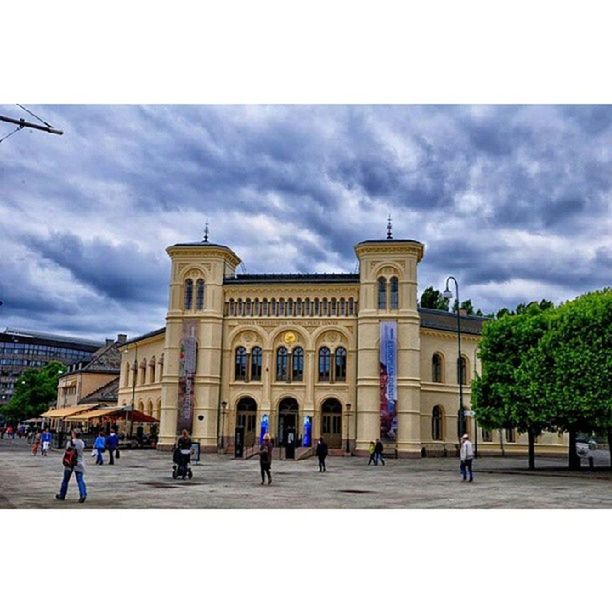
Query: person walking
[73,462]
[36,443]
[45,438]
[10,432]
[466,454]
[372,450]
[265,459]
[100,446]
[378,452]
[112,444]
[321,453]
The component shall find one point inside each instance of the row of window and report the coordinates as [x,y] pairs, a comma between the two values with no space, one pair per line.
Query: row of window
[147,372]
[33,363]
[188,301]
[437,428]
[35,349]
[290,365]
[299,307]
[437,369]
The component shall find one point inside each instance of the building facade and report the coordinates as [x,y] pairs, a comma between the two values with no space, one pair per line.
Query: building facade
[25,350]
[350,357]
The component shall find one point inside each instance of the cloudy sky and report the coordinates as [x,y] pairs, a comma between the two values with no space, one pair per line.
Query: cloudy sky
[514,201]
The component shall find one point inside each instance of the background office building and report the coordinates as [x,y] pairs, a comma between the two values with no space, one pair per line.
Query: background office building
[25,350]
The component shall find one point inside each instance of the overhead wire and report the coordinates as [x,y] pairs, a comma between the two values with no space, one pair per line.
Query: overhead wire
[19,127]
[33,115]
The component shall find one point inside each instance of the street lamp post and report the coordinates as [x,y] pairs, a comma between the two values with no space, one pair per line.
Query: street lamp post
[348,424]
[448,294]
[223,409]
[128,420]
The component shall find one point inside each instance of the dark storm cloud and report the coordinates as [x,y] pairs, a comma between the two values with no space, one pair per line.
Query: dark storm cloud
[514,196]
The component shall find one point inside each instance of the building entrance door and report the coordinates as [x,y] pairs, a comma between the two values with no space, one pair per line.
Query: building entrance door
[246,416]
[331,421]
[287,420]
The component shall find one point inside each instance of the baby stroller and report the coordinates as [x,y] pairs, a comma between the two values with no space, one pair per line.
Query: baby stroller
[181,459]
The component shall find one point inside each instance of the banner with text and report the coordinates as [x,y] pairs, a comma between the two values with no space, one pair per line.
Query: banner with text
[388,380]
[187,368]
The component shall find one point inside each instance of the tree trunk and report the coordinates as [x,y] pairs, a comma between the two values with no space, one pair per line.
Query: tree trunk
[531,440]
[574,460]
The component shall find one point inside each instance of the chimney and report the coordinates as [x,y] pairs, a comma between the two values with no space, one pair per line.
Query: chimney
[121,338]
[463,312]
[109,341]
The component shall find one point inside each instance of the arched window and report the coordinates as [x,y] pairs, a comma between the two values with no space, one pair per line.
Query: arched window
[297,373]
[325,307]
[200,294]
[342,307]
[152,370]
[143,371]
[436,368]
[298,307]
[317,310]
[256,358]
[289,307]
[281,364]
[281,307]
[240,367]
[127,375]
[351,306]
[232,307]
[273,312]
[264,308]
[334,307]
[340,364]
[324,364]
[463,370]
[248,304]
[394,293]
[436,424]
[382,293]
[188,294]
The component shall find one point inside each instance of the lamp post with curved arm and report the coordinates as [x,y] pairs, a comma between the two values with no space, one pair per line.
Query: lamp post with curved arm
[448,294]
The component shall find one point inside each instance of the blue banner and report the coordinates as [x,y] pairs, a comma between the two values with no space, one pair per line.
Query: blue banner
[264,427]
[307,437]
[388,380]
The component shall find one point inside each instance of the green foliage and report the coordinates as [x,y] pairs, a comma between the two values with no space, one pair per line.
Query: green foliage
[467,306]
[432,298]
[34,390]
[570,370]
[547,368]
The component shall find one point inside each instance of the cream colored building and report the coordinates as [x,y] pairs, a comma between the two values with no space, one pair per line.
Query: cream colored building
[303,352]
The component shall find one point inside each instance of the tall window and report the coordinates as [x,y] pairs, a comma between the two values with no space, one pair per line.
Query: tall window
[264,308]
[436,368]
[188,294]
[486,435]
[340,364]
[297,373]
[200,294]
[382,293]
[463,370]
[394,293]
[324,364]
[240,368]
[256,358]
[436,423]
[281,364]
[510,434]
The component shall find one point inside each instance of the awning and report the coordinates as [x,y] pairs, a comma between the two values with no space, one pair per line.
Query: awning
[118,412]
[61,413]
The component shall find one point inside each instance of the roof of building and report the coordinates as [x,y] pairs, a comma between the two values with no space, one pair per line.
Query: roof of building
[254,279]
[83,343]
[106,393]
[390,241]
[156,332]
[447,321]
[201,244]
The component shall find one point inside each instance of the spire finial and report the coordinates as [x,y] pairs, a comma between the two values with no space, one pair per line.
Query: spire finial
[389,229]
[206,231]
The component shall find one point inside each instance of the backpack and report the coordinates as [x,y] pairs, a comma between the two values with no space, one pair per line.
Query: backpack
[70,456]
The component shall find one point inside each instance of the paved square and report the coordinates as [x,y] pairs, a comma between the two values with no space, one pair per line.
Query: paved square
[142,479]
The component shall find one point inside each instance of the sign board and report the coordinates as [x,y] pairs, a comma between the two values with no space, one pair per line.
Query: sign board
[468,413]
[195,452]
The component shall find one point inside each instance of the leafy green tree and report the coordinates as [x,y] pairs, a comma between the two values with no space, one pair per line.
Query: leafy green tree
[34,390]
[569,372]
[465,305]
[498,399]
[432,298]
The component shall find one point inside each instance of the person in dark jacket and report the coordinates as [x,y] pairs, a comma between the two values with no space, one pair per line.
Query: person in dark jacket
[265,459]
[112,444]
[378,451]
[321,453]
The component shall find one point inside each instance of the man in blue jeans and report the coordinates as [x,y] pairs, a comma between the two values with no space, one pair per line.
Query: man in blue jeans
[78,469]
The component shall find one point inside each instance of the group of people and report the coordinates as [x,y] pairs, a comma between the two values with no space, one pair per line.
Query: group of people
[43,439]
[9,430]
[375,450]
[109,443]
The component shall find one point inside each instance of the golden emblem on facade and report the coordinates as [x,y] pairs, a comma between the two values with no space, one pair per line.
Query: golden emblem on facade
[289,337]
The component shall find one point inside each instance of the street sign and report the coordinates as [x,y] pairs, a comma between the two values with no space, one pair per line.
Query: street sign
[468,413]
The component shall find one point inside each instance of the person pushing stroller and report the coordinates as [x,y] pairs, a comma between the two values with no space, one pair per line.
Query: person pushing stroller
[182,457]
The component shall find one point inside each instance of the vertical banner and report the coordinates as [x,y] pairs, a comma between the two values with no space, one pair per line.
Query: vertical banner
[264,427]
[307,437]
[187,367]
[388,380]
